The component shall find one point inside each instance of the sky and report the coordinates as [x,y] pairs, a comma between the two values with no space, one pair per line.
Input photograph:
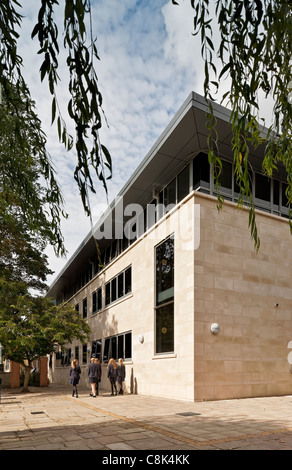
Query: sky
[149,64]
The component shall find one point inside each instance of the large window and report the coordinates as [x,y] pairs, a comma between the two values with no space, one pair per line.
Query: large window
[164,311]
[118,346]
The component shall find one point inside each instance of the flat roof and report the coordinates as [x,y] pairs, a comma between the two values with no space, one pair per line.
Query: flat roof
[185,135]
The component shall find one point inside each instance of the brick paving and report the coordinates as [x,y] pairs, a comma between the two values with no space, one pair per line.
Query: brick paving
[50,419]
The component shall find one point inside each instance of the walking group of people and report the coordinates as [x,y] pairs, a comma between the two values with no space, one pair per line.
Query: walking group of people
[115,373]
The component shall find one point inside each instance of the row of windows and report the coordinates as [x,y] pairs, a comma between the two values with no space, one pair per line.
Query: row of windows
[269,195]
[117,346]
[115,289]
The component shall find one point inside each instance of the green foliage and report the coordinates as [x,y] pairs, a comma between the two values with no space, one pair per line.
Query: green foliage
[33,326]
[254,52]
[84,107]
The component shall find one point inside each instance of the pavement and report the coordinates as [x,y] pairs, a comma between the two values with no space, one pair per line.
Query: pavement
[51,419]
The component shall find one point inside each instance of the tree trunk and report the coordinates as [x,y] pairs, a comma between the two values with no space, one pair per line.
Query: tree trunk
[27,370]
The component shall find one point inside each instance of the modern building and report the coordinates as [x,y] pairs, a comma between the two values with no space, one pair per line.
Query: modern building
[178,290]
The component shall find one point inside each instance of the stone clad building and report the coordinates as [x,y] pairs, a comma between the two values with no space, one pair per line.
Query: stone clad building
[182,296]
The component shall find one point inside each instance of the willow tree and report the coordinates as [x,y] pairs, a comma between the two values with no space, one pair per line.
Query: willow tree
[84,105]
[248,43]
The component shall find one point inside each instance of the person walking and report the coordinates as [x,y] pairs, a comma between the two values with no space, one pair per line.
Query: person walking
[99,372]
[112,374]
[93,374]
[121,375]
[75,372]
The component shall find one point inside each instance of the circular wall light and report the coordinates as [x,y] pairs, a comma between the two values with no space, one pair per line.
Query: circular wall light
[141,339]
[215,328]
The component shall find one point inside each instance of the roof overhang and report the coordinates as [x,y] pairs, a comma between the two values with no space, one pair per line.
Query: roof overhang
[185,135]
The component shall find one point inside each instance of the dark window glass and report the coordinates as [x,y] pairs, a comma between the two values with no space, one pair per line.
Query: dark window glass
[225,178]
[183,184]
[276,193]
[284,197]
[165,271]
[94,304]
[114,289]
[201,170]
[128,280]
[84,309]
[107,293]
[114,349]
[262,187]
[99,299]
[96,348]
[170,193]
[106,350]
[165,329]
[76,353]
[121,285]
[121,346]
[128,345]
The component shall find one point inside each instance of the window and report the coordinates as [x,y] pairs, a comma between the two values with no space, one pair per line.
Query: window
[201,170]
[84,308]
[164,312]
[97,300]
[165,271]
[118,346]
[262,187]
[170,194]
[96,348]
[225,177]
[76,353]
[183,184]
[119,286]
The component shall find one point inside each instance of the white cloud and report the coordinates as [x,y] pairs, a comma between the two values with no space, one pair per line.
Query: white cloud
[150,62]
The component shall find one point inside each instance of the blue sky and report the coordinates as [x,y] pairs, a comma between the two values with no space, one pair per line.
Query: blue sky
[150,62]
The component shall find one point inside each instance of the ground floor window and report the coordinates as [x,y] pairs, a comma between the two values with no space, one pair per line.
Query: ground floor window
[118,346]
[96,349]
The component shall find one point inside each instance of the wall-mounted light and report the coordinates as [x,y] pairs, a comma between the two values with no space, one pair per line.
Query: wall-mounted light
[141,339]
[215,328]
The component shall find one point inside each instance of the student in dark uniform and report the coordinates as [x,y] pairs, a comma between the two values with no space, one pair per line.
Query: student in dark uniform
[75,372]
[121,375]
[112,374]
[93,375]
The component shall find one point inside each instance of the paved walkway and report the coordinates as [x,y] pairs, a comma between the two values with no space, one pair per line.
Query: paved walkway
[50,419]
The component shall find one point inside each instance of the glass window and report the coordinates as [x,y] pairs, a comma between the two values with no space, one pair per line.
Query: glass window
[201,171]
[84,309]
[262,187]
[96,348]
[284,196]
[183,184]
[165,329]
[276,193]
[128,280]
[225,178]
[170,193]
[107,293]
[94,302]
[99,299]
[164,317]
[165,271]
[128,346]
[114,289]
[76,353]
[121,285]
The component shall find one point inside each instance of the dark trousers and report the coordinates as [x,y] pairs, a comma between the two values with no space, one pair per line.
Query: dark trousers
[113,385]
